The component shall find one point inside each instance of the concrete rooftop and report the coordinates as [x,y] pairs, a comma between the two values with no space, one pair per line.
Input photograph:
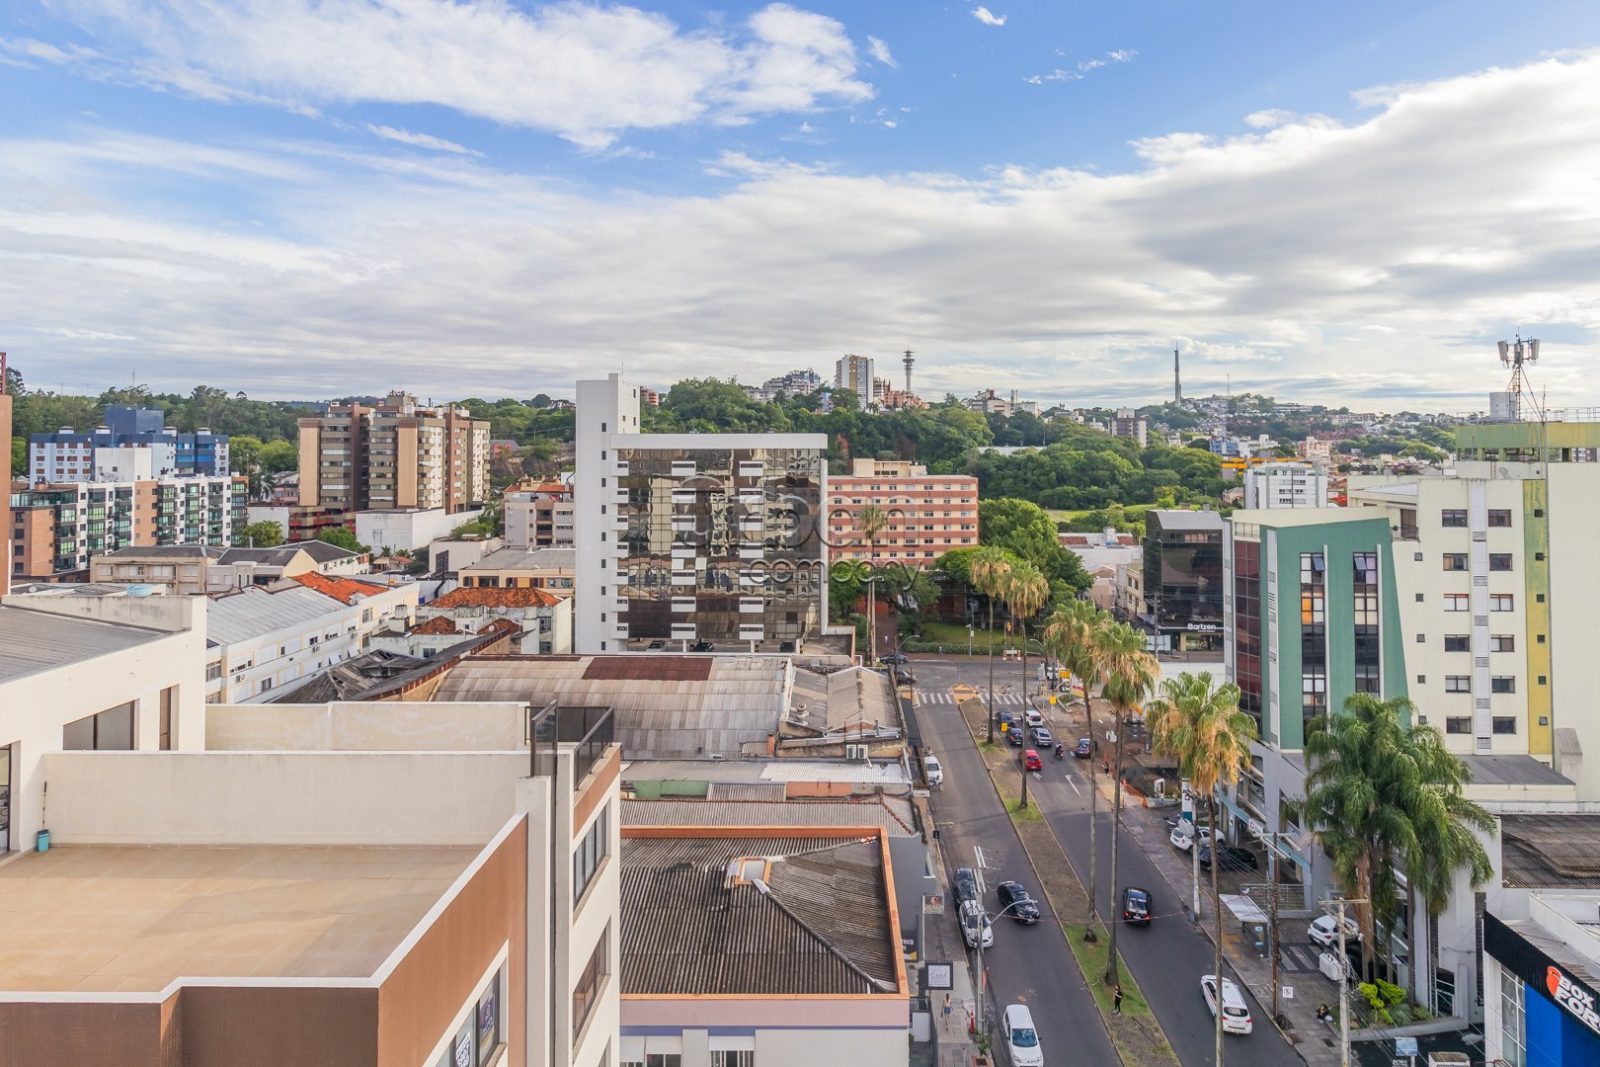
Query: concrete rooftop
[134,918]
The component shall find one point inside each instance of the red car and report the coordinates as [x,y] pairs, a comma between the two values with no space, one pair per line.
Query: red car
[1031,761]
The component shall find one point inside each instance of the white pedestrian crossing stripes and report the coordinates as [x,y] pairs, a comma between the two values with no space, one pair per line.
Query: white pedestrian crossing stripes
[944,696]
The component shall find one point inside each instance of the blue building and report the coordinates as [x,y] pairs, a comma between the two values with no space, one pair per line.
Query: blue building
[132,443]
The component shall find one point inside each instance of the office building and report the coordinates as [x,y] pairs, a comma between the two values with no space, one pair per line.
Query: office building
[1128,423]
[1285,485]
[928,515]
[1183,579]
[132,444]
[540,517]
[855,374]
[391,455]
[694,537]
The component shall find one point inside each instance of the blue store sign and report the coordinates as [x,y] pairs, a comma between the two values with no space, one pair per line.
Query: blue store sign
[1571,1022]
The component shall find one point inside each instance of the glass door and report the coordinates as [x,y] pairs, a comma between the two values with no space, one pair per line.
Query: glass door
[5,799]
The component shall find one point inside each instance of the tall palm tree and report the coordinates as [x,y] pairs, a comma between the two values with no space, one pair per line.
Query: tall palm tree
[871,521]
[1071,635]
[1025,592]
[1130,673]
[1381,794]
[988,570]
[1202,727]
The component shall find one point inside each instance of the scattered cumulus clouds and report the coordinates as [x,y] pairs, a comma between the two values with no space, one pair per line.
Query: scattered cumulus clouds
[879,48]
[1082,68]
[1267,118]
[586,72]
[987,17]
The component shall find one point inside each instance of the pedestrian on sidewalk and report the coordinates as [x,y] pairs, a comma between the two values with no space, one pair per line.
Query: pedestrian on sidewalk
[947,1010]
[1116,1000]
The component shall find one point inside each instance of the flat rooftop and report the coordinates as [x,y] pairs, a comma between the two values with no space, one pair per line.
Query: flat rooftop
[94,918]
[35,641]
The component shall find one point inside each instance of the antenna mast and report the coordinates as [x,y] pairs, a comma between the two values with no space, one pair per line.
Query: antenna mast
[1518,355]
[908,359]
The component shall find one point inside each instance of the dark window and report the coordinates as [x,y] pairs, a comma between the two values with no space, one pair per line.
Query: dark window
[1313,636]
[1368,650]
[1538,598]
[1540,639]
[489,1021]
[1499,561]
[586,858]
[586,990]
[169,715]
[1542,680]
[1539,556]
[1503,684]
[1538,513]
[1505,724]
[1419,598]
[1457,683]
[1457,643]
[1455,561]
[110,730]
[1499,517]
[1422,639]
[727,1057]
[1503,643]
[1458,724]
[1453,517]
[1422,679]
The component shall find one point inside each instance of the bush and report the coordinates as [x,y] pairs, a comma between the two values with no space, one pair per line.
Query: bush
[1391,993]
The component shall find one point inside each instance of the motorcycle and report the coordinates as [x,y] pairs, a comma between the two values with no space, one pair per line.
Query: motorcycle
[1058,752]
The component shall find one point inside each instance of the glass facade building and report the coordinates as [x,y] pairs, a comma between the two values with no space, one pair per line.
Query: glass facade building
[1183,579]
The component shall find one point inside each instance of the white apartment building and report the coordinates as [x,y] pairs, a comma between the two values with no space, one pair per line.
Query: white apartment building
[405,529]
[855,373]
[540,517]
[694,537]
[1130,424]
[1285,485]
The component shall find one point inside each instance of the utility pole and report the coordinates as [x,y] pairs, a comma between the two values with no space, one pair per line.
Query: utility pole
[1344,980]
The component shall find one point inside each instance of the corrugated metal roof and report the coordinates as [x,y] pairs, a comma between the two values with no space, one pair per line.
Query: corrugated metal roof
[525,559]
[1550,851]
[1187,520]
[253,612]
[824,927]
[34,641]
[887,813]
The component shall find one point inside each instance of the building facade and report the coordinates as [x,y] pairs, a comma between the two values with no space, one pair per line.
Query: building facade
[1127,422]
[540,517]
[1285,485]
[550,569]
[694,537]
[855,374]
[133,443]
[1541,994]
[928,515]
[1183,588]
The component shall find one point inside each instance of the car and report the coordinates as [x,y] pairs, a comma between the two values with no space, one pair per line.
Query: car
[1235,1012]
[1010,654]
[702,646]
[1324,931]
[785,646]
[965,884]
[1184,832]
[1031,760]
[1234,858]
[975,923]
[1014,735]
[933,771]
[1042,737]
[656,646]
[1032,717]
[903,676]
[1135,906]
[1084,748]
[894,658]
[1022,1038]
[1023,908]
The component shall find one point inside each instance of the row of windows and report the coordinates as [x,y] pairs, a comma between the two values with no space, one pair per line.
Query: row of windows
[1463,601]
[1463,642]
[1462,683]
[1457,561]
[1462,724]
[1457,517]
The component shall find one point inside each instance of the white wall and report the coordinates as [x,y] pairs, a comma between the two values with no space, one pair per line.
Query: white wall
[1574,516]
[408,529]
[606,408]
[367,726]
[274,513]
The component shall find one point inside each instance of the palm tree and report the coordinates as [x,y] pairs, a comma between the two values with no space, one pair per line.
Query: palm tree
[1382,794]
[1204,730]
[1070,635]
[1130,673]
[1025,592]
[871,521]
[988,570]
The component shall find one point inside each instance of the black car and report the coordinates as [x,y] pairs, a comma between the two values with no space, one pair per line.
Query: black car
[702,646]
[1006,716]
[785,646]
[1135,905]
[1084,748]
[1042,737]
[1234,858]
[903,676]
[965,885]
[895,657]
[1024,909]
[1014,735]
[656,646]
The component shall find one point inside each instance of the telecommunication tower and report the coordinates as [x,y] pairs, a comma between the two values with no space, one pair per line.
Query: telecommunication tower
[1518,355]
[908,359]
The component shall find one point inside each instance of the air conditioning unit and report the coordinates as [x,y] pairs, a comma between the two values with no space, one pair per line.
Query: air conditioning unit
[858,753]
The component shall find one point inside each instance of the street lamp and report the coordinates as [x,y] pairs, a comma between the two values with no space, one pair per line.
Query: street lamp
[982,1019]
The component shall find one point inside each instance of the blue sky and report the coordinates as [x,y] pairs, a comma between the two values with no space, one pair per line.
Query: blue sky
[1329,202]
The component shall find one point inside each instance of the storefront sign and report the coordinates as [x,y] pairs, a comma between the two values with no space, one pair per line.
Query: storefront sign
[1530,963]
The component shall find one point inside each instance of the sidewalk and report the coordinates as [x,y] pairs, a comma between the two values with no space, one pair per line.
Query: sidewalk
[953,1037]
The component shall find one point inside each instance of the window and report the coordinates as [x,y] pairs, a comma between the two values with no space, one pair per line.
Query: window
[1419,598]
[213,671]
[1458,724]
[1455,561]
[169,715]
[110,730]
[1502,602]
[587,856]
[1422,639]
[1499,561]
[1457,602]
[1503,683]
[1457,643]
[1503,643]
[1513,1032]
[1457,683]
[1505,724]
[731,1057]
[586,990]
[1499,516]
[1422,679]
[1453,517]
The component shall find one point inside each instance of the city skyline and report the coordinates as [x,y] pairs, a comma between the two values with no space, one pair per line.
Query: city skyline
[1312,206]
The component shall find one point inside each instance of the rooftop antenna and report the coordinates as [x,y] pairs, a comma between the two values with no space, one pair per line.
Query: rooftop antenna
[1517,355]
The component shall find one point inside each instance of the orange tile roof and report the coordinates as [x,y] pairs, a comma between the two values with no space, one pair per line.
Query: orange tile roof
[344,590]
[483,597]
[439,624]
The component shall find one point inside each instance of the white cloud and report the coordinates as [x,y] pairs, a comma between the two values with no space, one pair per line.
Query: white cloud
[584,71]
[1317,260]
[880,51]
[420,140]
[987,17]
[1267,118]
[1083,68]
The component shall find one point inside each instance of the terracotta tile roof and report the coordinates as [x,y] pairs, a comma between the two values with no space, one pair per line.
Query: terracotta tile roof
[439,624]
[500,626]
[344,590]
[481,597]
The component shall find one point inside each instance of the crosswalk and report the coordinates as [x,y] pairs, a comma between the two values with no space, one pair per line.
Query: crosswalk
[1300,958]
[921,697]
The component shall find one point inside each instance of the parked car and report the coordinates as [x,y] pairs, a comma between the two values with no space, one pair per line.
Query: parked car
[933,771]
[1010,654]
[785,646]
[1024,909]
[903,676]
[1014,735]
[965,884]
[1233,858]
[1041,736]
[975,923]
[1183,835]
[1031,760]
[1084,748]
[656,646]
[1135,906]
[1324,931]
[1235,1012]
[702,646]
[1032,717]
[894,658]
[1022,1039]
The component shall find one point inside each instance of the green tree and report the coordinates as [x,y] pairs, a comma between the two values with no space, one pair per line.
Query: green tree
[276,457]
[264,534]
[1025,591]
[1070,635]
[1022,528]
[989,569]
[342,537]
[1200,725]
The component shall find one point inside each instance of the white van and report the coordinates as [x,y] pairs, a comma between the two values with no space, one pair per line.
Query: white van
[931,768]
[1022,1040]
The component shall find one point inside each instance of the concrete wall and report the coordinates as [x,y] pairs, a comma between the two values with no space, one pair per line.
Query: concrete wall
[365,726]
[1574,516]
[791,1032]
[408,529]
[280,798]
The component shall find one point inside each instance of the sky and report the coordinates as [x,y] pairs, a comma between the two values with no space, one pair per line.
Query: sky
[1341,203]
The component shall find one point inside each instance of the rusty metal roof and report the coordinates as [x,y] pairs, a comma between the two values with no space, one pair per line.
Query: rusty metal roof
[1550,851]
[658,667]
[879,812]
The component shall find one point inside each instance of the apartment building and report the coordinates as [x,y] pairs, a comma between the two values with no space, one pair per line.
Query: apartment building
[544,618]
[1285,485]
[206,570]
[928,515]
[392,455]
[549,569]
[540,517]
[1183,586]
[694,537]
[133,443]
[855,374]
[1128,423]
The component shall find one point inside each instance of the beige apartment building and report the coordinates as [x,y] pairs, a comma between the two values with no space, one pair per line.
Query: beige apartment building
[928,514]
[540,517]
[394,454]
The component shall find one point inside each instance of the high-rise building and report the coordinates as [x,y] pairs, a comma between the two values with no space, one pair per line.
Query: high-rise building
[693,537]
[132,444]
[1285,485]
[540,517]
[1130,424]
[392,455]
[1183,579]
[928,515]
[855,373]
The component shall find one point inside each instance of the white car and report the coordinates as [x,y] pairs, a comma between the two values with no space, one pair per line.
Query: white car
[1325,931]
[1033,718]
[1022,1040]
[1183,835]
[935,773]
[1235,1013]
[975,922]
